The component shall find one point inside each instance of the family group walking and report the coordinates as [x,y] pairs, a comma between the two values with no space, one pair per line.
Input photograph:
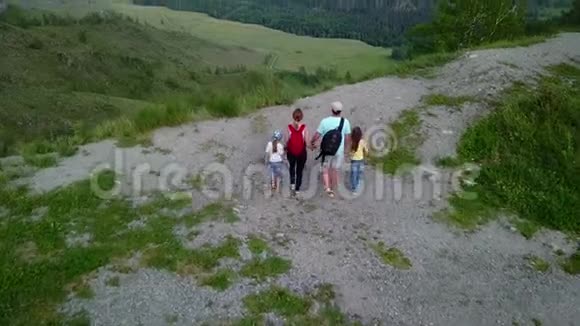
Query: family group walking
[336,142]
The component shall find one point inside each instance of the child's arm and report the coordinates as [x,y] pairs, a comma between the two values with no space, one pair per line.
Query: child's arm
[365,151]
[267,153]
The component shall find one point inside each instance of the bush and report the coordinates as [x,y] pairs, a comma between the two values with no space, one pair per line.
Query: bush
[36,44]
[400,53]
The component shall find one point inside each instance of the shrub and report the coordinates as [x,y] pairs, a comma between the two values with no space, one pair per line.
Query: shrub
[400,53]
[36,44]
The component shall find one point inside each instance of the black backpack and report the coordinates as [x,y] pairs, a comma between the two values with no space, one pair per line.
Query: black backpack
[331,142]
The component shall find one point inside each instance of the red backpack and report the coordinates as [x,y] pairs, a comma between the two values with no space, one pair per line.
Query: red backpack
[296,143]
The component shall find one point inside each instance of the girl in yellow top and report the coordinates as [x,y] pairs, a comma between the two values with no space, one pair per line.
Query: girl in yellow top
[358,152]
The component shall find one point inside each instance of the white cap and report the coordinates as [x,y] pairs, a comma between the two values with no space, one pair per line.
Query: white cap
[336,106]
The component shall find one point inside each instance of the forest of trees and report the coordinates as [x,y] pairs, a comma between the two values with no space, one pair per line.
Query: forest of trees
[376,22]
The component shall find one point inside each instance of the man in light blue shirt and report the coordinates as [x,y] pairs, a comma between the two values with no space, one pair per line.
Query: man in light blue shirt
[332,164]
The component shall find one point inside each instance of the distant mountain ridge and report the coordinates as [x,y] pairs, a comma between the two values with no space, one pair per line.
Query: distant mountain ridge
[377,22]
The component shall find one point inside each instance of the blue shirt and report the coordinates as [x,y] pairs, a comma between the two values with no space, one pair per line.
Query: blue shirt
[329,123]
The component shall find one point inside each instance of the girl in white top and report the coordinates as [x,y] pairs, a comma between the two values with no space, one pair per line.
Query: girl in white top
[275,159]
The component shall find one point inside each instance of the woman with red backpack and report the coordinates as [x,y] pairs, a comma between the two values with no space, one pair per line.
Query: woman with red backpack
[296,150]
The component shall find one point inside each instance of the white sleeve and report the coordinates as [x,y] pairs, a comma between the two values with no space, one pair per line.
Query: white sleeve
[269,148]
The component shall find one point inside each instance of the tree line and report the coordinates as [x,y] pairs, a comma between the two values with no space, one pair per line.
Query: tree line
[431,25]
[376,22]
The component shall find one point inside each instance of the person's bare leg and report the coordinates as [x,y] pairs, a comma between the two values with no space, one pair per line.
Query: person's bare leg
[334,179]
[326,178]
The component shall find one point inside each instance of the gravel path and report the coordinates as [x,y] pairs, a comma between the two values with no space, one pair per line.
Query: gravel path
[480,278]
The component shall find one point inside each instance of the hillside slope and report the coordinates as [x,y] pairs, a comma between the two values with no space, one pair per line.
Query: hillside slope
[475,278]
[95,69]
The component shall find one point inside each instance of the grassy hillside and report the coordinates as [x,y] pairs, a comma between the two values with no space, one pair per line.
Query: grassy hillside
[67,72]
[284,51]
[70,79]
[290,51]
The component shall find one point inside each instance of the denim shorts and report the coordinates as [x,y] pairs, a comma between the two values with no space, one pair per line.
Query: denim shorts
[276,169]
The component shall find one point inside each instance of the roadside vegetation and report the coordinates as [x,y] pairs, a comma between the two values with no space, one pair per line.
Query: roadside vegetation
[43,259]
[406,139]
[528,150]
[295,309]
[52,243]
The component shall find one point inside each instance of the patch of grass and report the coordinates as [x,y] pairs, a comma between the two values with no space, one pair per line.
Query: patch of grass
[257,245]
[220,281]
[448,162]
[79,319]
[572,264]
[254,320]
[445,100]
[422,65]
[324,293]
[407,138]
[295,309]
[536,322]
[526,228]
[528,149]
[41,160]
[278,300]
[114,281]
[567,71]
[407,124]
[85,292]
[171,318]
[197,182]
[30,293]
[399,160]
[538,263]
[3,177]
[392,256]
[467,210]
[262,269]
[172,256]
[218,211]
[519,42]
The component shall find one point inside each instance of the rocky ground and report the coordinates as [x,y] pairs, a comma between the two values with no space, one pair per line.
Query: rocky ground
[456,278]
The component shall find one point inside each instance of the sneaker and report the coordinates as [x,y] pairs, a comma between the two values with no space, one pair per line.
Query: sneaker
[330,193]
